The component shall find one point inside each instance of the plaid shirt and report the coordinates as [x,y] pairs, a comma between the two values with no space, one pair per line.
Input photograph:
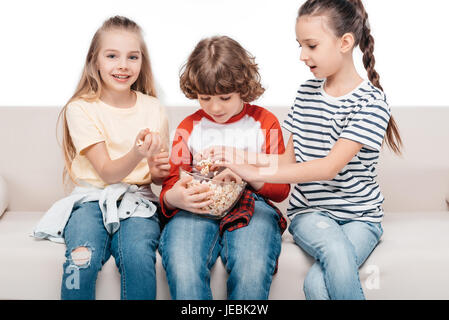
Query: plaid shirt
[241,214]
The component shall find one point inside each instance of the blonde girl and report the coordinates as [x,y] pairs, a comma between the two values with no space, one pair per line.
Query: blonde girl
[115,142]
[339,122]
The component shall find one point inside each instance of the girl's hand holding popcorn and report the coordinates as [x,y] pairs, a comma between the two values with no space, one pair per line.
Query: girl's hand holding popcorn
[226,154]
[227,175]
[147,143]
[236,160]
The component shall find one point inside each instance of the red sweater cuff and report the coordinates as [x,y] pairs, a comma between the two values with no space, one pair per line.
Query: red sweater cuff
[274,191]
[165,211]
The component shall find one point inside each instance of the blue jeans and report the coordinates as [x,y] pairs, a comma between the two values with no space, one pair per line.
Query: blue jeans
[133,247]
[190,245]
[339,248]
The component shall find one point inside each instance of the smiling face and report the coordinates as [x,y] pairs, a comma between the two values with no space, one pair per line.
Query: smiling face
[221,107]
[320,48]
[119,60]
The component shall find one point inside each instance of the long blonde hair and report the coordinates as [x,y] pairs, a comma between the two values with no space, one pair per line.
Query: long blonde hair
[90,86]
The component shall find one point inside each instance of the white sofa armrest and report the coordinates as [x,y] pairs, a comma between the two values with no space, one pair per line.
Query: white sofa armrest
[4,198]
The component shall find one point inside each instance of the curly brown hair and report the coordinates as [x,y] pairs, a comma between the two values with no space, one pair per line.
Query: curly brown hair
[220,65]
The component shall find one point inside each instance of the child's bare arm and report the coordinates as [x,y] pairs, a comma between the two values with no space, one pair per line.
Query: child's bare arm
[114,171]
[315,170]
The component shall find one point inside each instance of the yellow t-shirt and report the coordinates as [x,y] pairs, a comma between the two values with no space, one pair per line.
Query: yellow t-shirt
[93,122]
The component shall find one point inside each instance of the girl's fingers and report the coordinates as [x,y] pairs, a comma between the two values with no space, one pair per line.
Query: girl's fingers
[141,136]
[142,133]
[220,156]
[147,141]
[155,143]
[208,153]
[197,157]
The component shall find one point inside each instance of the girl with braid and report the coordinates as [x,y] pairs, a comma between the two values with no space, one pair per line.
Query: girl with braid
[338,124]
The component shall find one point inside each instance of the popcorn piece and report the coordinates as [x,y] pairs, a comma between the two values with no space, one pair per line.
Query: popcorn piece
[205,165]
[140,141]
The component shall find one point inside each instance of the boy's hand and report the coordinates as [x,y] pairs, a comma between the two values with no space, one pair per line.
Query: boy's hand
[193,199]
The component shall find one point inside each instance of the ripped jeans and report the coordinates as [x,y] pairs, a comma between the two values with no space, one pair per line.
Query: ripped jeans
[89,246]
[339,248]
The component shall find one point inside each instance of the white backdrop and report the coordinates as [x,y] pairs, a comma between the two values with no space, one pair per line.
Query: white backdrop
[44,43]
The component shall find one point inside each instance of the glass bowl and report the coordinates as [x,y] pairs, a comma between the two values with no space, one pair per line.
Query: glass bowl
[226,194]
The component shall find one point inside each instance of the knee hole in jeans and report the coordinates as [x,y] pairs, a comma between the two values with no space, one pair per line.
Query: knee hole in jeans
[81,256]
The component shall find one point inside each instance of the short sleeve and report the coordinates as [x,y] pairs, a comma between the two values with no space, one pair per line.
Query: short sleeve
[82,127]
[288,122]
[368,124]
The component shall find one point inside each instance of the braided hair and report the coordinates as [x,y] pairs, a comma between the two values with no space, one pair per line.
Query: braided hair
[350,16]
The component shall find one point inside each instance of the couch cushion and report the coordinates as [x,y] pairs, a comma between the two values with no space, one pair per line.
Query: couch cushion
[410,263]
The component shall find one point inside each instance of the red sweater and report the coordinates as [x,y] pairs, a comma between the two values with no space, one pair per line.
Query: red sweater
[254,129]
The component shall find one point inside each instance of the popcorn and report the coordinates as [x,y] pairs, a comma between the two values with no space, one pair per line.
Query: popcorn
[225,196]
[205,165]
[140,141]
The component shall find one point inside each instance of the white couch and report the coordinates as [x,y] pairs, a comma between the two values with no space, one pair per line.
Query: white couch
[411,262]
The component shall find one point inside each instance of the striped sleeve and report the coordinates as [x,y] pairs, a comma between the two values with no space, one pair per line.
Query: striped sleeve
[288,122]
[368,125]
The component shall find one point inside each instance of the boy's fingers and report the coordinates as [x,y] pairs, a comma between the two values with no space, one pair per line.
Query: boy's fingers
[164,161]
[161,158]
[201,197]
[200,206]
[163,167]
[185,180]
[198,189]
[162,155]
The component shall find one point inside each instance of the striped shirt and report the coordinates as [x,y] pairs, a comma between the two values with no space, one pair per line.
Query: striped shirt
[317,121]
